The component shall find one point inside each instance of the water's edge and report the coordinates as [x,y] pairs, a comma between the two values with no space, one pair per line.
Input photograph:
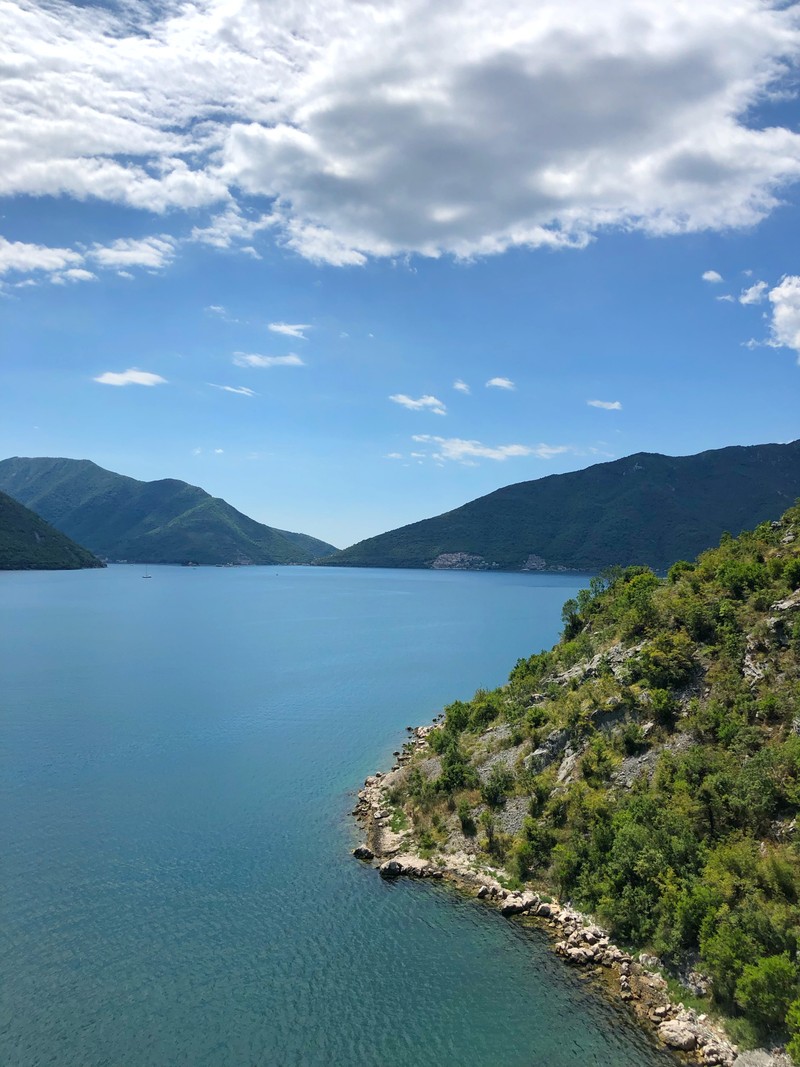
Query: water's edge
[574,937]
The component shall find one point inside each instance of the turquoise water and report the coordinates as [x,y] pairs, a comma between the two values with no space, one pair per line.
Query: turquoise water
[177,762]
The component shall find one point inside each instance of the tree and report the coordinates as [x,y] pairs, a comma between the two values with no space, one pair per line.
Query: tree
[766,989]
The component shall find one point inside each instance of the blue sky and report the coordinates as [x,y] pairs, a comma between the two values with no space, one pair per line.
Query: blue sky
[258,251]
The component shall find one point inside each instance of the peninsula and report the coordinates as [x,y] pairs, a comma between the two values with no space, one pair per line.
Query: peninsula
[646,770]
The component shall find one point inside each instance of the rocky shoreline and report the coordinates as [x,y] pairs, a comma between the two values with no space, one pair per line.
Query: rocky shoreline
[576,938]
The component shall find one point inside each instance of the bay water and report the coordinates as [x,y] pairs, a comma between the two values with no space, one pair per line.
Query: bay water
[178,759]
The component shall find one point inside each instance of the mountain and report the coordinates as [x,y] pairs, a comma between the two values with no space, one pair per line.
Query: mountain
[165,521]
[647,769]
[28,543]
[646,508]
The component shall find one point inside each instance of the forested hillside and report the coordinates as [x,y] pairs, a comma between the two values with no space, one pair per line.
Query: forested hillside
[644,509]
[29,543]
[648,768]
[166,521]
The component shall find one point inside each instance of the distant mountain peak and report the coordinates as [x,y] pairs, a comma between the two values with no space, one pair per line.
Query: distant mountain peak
[163,521]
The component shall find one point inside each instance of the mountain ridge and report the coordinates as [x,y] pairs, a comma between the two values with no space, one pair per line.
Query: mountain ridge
[646,508]
[162,521]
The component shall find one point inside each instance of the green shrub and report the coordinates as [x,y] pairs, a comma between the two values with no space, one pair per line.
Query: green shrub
[766,989]
[466,819]
[497,786]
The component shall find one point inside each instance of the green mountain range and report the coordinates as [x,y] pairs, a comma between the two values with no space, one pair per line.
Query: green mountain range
[646,509]
[165,521]
[28,543]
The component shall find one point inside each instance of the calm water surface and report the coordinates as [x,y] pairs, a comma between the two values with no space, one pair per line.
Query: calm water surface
[177,761]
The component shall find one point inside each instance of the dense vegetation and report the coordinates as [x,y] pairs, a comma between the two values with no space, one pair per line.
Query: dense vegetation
[655,754]
[29,543]
[645,509]
[165,521]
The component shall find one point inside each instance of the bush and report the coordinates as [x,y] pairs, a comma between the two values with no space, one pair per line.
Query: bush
[766,989]
[497,786]
[793,1026]
[465,818]
[791,572]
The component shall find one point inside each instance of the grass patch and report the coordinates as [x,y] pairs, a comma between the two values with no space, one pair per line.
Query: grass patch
[398,821]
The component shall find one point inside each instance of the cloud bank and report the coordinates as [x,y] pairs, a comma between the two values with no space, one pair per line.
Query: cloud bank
[538,125]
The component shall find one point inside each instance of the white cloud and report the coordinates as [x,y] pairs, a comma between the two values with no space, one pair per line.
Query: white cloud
[462,387]
[756,294]
[19,257]
[150,252]
[500,383]
[130,377]
[424,403]
[607,405]
[291,329]
[539,125]
[394,455]
[726,298]
[460,451]
[218,451]
[244,359]
[712,276]
[74,274]
[241,390]
[785,325]
[232,228]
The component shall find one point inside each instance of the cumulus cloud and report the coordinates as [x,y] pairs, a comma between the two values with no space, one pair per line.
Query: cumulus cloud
[130,377]
[462,387]
[712,276]
[461,451]
[73,274]
[19,257]
[537,126]
[756,294]
[241,390]
[245,359]
[500,383]
[785,325]
[423,403]
[607,405]
[291,329]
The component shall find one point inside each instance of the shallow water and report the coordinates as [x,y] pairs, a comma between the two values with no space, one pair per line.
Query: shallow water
[177,763]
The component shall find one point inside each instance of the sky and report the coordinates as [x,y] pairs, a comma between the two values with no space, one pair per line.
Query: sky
[349,265]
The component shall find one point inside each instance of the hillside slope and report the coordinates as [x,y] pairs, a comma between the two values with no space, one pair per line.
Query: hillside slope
[647,768]
[646,509]
[28,543]
[166,521]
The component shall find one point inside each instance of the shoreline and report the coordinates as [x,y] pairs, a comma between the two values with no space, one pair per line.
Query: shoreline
[636,982]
